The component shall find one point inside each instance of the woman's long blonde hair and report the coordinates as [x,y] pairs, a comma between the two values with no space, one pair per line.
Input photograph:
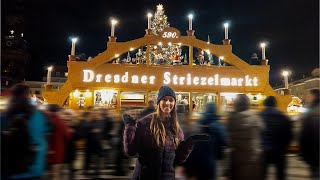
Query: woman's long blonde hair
[158,130]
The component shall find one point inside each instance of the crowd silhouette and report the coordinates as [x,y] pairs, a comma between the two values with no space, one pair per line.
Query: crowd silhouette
[162,140]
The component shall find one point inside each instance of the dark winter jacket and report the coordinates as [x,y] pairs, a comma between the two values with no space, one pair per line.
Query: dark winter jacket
[202,161]
[108,127]
[211,126]
[309,137]
[277,133]
[95,136]
[244,129]
[70,153]
[153,162]
[81,129]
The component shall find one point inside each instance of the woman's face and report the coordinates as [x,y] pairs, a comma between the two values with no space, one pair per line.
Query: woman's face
[167,104]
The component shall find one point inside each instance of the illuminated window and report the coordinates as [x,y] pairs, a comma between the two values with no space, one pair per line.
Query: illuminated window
[199,100]
[106,98]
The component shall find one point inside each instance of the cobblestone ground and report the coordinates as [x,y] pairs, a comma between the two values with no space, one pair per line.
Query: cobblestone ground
[297,170]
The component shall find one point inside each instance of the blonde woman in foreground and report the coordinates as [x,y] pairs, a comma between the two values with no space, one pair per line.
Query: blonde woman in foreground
[158,139]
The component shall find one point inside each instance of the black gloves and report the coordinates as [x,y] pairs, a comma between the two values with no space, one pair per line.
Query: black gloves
[128,120]
[198,137]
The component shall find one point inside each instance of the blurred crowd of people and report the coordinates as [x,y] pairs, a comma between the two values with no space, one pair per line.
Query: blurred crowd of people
[57,134]
[244,142]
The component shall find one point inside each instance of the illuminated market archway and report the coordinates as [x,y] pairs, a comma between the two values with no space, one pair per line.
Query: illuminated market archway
[88,80]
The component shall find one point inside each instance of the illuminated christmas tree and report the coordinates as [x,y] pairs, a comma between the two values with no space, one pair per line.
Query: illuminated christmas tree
[159,21]
[162,53]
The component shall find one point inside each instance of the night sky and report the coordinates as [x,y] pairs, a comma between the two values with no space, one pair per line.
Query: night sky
[290,28]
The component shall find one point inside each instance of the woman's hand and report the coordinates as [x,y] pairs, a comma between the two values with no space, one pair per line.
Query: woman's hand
[128,120]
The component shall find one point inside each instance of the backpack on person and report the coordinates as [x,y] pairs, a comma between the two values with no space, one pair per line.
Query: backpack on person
[18,152]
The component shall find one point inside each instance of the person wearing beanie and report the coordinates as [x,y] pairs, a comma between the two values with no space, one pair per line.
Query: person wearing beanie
[158,139]
[276,137]
[165,91]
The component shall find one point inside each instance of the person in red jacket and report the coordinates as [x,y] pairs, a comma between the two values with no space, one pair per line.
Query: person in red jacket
[57,140]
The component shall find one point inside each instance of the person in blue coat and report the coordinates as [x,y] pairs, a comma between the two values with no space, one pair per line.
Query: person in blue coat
[38,128]
[202,161]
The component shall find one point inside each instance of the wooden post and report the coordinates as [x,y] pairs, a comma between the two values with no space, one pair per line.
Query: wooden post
[218,102]
[119,101]
[148,55]
[190,55]
[147,97]
[190,103]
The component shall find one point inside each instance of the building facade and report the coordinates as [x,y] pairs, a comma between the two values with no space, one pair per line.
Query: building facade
[299,88]
[15,52]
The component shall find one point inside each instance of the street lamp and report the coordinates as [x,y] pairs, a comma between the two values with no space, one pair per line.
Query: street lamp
[286,83]
[49,75]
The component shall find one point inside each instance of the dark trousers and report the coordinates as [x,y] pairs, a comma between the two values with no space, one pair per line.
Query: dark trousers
[121,169]
[91,157]
[280,162]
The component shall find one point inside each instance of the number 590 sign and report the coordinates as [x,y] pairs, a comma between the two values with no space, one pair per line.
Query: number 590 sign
[170,33]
